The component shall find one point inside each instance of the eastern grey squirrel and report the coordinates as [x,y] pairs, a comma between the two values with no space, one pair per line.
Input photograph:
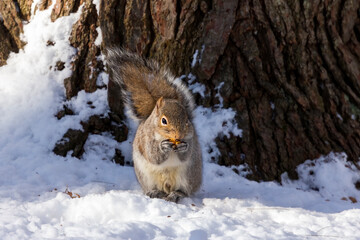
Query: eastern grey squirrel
[166,151]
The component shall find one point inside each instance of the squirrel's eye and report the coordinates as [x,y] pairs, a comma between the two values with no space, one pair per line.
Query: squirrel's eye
[163,121]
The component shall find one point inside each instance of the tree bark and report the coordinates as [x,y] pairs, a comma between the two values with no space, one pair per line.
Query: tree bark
[10,29]
[290,69]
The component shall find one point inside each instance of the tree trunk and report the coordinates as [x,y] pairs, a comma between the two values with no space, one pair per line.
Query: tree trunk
[10,29]
[290,69]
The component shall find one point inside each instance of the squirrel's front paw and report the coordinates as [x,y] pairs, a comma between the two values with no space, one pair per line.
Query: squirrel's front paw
[181,147]
[166,146]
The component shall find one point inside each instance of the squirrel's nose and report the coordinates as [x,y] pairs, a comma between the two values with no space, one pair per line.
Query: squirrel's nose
[179,136]
[176,134]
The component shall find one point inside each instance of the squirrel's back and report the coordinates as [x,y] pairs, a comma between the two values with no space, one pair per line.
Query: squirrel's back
[143,82]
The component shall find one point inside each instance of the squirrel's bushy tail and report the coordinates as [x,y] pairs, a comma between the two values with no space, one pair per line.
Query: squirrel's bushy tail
[143,82]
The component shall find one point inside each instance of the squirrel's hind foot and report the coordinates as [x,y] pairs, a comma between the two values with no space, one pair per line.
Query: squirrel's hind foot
[157,194]
[175,196]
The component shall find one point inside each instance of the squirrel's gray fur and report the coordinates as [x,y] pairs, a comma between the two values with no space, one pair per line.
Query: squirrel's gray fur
[166,152]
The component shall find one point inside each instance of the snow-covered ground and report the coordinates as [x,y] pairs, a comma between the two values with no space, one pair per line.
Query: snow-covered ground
[33,180]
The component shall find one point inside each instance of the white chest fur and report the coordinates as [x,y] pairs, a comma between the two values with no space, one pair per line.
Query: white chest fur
[173,161]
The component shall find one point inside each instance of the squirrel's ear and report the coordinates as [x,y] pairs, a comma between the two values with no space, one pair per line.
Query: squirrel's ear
[159,104]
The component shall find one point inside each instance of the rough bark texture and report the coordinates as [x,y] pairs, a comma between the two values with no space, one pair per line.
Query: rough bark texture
[10,28]
[64,8]
[302,58]
[25,8]
[290,69]
[7,44]
[85,65]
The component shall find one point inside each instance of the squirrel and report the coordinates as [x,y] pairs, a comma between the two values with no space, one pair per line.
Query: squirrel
[166,151]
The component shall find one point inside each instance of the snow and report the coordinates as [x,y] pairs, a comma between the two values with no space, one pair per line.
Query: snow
[97,5]
[331,175]
[34,205]
[195,58]
[211,124]
[98,39]
[272,105]
[195,87]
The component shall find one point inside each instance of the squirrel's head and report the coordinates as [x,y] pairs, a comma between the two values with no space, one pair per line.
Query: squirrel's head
[172,120]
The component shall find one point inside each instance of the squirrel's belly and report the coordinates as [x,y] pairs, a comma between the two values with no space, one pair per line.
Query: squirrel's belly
[168,176]
[171,174]
[167,180]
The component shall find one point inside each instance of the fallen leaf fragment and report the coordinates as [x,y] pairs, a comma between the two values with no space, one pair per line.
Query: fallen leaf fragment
[353,200]
[72,195]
